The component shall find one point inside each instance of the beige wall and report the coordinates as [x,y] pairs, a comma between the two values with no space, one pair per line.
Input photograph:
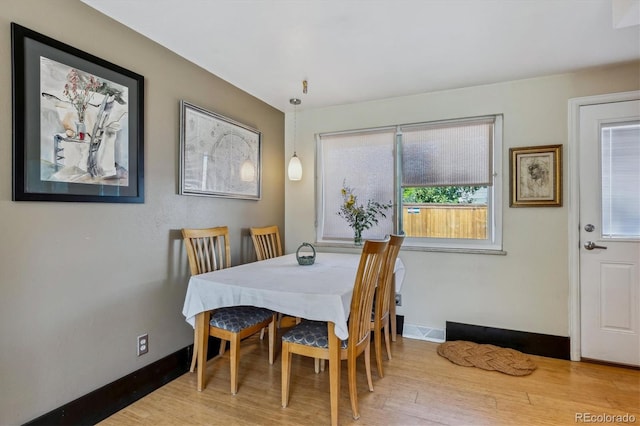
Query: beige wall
[528,289]
[79,281]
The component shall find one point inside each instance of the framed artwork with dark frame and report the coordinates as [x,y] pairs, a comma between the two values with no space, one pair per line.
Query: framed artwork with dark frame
[77,124]
[535,176]
[219,157]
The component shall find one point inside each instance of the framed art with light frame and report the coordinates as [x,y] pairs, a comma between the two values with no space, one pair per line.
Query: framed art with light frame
[77,124]
[535,176]
[219,157]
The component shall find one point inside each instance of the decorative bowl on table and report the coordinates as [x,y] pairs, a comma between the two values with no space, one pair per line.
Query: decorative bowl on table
[305,259]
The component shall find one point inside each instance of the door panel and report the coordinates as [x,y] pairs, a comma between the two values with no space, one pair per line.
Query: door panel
[610,232]
[617,294]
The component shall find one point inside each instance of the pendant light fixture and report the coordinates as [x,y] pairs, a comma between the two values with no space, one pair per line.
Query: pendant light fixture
[295,166]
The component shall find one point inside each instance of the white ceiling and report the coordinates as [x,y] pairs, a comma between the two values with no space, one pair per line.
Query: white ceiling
[359,50]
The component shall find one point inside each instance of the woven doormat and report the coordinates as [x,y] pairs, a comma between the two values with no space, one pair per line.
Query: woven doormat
[487,357]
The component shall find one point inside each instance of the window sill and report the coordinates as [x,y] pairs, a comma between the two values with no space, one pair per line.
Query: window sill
[493,252]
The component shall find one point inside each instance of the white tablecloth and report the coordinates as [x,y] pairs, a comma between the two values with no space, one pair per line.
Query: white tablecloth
[321,291]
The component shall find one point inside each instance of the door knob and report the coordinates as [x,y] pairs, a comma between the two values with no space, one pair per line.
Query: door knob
[590,245]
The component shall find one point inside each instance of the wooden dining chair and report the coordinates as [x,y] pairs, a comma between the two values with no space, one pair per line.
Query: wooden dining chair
[310,338]
[382,301]
[209,250]
[266,241]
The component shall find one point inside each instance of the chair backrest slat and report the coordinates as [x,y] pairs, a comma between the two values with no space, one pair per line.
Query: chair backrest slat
[208,249]
[266,241]
[369,269]
[383,300]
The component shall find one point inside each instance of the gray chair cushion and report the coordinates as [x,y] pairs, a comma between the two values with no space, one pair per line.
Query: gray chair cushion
[310,333]
[236,318]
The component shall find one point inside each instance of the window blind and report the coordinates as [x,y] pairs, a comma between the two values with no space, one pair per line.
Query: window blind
[363,161]
[621,180]
[448,154]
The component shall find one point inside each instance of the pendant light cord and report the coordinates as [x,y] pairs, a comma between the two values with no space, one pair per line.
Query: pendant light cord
[295,102]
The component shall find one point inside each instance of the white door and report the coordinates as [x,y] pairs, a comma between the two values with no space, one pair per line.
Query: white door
[609,146]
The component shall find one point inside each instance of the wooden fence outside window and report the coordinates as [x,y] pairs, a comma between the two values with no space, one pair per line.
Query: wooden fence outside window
[445,220]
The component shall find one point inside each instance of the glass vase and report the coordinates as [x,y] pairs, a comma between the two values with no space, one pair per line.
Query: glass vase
[81,130]
[357,237]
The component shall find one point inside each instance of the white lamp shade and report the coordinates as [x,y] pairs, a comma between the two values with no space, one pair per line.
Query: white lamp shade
[295,168]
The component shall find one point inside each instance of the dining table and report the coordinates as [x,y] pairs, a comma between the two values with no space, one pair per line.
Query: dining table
[321,291]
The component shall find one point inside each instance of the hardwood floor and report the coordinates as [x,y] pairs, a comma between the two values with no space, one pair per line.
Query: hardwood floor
[419,388]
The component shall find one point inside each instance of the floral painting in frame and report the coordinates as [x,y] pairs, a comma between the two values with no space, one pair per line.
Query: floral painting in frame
[78,133]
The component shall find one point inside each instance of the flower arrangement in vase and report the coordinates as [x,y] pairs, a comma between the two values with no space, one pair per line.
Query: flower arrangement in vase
[79,89]
[360,216]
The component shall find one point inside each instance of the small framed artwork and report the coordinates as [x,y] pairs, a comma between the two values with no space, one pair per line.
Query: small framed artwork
[77,124]
[219,157]
[536,176]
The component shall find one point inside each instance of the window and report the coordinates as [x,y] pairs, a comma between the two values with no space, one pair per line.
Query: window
[620,156]
[440,176]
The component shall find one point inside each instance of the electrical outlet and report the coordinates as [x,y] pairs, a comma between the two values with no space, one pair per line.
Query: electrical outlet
[143,344]
[398,299]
